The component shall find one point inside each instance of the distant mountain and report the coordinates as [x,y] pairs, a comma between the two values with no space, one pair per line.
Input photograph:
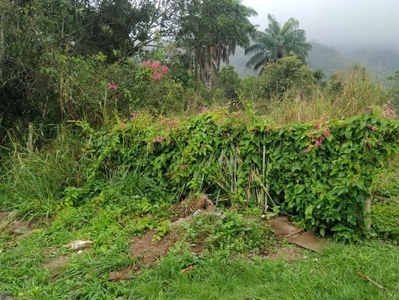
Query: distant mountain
[380,62]
[326,58]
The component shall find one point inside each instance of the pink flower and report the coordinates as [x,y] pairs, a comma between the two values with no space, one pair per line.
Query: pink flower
[327,132]
[157,76]
[146,63]
[155,65]
[317,142]
[173,123]
[204,110]
[164,69]
[112,86]
[388,111]
[183,167]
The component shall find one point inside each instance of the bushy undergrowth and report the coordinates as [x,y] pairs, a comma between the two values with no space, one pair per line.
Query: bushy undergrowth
[321,172]
[34,182]
[231,232]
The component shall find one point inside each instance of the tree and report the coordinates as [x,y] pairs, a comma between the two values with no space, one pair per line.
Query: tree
[276,42]
[229,82]
[121,28]
[211,30]
[39,36]
[287,74]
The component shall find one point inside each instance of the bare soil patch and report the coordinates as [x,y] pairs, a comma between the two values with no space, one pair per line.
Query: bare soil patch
[192,205]
[123,274]
[56,261]
[56,264]
[3,215]
[148,250]
[9,223]
[289,254]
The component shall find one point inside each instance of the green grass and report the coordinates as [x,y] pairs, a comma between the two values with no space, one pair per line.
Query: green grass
[34,183]
[331,275]
[219,274]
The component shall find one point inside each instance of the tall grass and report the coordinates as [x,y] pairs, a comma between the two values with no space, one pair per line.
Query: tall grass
[33,181]
[348,95]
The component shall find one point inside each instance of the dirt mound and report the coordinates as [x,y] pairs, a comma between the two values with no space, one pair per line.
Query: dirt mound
[148,250]
[9,223]
[191,205]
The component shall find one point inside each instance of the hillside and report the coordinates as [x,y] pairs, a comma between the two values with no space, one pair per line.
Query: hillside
[327,58]
[380,61]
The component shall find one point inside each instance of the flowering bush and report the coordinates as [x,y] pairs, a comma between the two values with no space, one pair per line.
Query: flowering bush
[157,91]
[155,68]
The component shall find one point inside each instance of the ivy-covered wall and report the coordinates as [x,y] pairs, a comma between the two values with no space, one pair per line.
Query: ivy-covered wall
[319,172]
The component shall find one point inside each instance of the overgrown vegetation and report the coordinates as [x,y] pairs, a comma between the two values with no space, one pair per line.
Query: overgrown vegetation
[111,121]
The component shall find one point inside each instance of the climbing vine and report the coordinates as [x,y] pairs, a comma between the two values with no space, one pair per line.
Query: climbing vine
[319,172]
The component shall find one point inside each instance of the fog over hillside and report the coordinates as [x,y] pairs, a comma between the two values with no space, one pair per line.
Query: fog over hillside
[342,32]
[348,24]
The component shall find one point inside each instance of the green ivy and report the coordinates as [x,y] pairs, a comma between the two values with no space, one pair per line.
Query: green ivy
[319,172]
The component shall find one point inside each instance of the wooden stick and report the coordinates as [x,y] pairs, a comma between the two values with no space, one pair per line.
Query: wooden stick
[371,280]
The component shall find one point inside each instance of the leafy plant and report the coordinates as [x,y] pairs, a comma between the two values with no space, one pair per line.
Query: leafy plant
[232,232]
[321,172]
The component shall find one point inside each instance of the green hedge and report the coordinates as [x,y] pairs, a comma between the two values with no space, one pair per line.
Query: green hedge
[320,172]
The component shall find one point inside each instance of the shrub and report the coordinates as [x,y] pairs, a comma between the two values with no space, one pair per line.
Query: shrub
[288,73]
[321,172]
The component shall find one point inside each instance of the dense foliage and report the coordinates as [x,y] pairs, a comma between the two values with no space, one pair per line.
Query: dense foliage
[320,172]
[94,62]
[276,42]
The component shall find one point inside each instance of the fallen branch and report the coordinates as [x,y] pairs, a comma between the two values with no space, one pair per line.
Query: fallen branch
[371,280]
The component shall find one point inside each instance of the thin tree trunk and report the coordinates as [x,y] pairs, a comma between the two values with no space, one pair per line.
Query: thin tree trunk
[208,70]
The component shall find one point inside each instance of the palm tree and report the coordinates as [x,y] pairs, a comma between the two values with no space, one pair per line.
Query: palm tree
[212,29]
[276,42]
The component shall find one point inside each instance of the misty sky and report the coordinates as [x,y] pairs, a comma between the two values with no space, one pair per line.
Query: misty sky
[347,23]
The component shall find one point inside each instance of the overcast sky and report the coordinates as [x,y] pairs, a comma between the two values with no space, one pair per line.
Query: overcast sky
[348,23]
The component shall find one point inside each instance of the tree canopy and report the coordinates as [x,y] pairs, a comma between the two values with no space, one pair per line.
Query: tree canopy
[276,42]
[212,30]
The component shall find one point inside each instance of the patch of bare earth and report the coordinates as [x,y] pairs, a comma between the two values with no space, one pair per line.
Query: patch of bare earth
[191,206]
[18,228]
[288,254]
[57,262]
[148,249]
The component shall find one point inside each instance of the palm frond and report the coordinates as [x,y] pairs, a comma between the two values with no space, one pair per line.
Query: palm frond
[255,48]
[257,60]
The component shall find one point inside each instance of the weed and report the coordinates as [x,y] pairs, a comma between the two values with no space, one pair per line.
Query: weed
[231,232]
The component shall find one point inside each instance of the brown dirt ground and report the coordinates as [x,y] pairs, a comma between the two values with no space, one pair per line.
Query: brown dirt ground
[148,250]
[189,206]
[145,248]
[16,227]
[3,215]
